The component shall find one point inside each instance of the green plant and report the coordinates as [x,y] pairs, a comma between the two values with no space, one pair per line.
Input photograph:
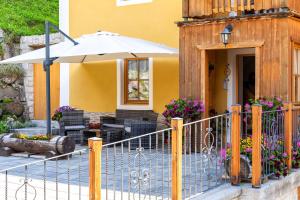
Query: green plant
[6,100]
[58,112]
[10,73]
[3,127]
[183,108]
[27,17]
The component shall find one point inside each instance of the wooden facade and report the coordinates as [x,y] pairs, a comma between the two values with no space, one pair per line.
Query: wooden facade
[273,36]
[200,9]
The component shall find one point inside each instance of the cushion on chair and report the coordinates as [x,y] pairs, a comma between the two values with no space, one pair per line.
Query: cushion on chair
[78,127]
[113,125]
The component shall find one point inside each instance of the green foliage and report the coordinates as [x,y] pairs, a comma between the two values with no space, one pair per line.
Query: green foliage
[3,127]
[10,73]
[27,17]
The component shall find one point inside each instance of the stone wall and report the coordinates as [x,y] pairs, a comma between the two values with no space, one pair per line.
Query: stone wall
[29,43]
[283,189]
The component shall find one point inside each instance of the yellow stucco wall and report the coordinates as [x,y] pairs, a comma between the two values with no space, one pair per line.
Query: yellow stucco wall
[93,87]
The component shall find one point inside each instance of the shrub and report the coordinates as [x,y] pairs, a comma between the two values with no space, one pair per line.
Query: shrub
[10,73]
[3,127]
[58,112]
[183,108]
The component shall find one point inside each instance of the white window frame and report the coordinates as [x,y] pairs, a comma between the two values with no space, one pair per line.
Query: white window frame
[131,2]
[120,88]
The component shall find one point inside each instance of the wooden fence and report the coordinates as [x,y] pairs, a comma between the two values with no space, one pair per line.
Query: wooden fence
[287,131]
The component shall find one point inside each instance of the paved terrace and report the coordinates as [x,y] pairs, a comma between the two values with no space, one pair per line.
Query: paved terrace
[69,178]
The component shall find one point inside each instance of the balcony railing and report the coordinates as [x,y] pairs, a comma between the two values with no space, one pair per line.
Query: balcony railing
[202,8]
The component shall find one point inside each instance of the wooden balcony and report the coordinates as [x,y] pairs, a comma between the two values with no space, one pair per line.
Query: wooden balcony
[220,8]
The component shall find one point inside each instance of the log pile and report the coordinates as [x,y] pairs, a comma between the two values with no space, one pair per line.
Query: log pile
[56,146]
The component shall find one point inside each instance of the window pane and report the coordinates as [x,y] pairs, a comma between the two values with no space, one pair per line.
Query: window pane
[133,93]
[144,69]
[132,69]
[144,90]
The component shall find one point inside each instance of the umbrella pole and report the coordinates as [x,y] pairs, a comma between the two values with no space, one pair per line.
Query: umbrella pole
[47,64]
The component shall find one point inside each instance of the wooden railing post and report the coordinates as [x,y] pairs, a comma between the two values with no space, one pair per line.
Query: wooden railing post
[95,146]
[235,144]
[256,145]
[177,127]
[288,128]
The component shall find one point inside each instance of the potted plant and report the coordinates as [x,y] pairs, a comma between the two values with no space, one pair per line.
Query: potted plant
[58,112]
[187,109]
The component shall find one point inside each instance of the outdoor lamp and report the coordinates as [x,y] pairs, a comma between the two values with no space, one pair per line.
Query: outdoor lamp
[225,35]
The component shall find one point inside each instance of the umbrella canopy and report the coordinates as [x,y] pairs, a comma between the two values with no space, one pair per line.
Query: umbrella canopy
[97,47]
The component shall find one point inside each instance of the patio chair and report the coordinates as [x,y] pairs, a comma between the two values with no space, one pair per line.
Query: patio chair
[112,128]
[72,123]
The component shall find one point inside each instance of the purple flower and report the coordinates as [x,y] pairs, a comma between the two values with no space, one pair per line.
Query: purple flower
[272,157]
[285,155]
[248,150]
[270,104]
[223,154]
[298,144]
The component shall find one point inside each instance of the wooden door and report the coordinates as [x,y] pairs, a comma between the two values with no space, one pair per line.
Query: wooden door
[40,90]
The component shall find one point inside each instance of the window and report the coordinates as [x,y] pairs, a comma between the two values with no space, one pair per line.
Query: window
[296,76]
[131,2]
[136,81]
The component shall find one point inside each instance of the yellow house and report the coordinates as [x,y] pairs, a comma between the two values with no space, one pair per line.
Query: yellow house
[144,84]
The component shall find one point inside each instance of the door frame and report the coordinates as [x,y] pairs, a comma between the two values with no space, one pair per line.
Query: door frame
[204,68]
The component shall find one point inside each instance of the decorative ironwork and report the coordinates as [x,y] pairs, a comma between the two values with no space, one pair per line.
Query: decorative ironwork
[140,175]
[210,156]
[26,185]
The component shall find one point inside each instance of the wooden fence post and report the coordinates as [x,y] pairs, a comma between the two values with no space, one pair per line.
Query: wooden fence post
[235,145]
[256,145]
[95,146]
[288,128]
[177,127]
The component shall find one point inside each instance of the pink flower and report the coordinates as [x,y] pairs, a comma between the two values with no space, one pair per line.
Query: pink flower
[248,150]
[223,154]
[298,144]
[272,157]
[285,155]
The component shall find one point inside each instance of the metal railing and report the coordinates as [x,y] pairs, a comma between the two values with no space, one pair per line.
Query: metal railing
[272,141]
[205,145]
[60,177]
[138,167]
[296,128]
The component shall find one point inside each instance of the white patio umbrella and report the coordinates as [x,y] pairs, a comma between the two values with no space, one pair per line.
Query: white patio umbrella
[97,47]
[89,48]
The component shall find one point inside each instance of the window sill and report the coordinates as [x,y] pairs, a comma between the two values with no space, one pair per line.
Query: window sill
[135,107]
[132,2]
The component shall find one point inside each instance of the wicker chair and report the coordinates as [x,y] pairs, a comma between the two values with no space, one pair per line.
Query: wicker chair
[72,123]
[112,128]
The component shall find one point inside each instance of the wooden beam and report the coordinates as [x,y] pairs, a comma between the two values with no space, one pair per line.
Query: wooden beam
[185,9]
[235,145]
[177,127]
[258,57]
[95,146]
[237,45]
[204,82]
[288,128]
[256,145]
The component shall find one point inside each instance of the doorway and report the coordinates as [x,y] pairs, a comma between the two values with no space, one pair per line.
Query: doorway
[246,78]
